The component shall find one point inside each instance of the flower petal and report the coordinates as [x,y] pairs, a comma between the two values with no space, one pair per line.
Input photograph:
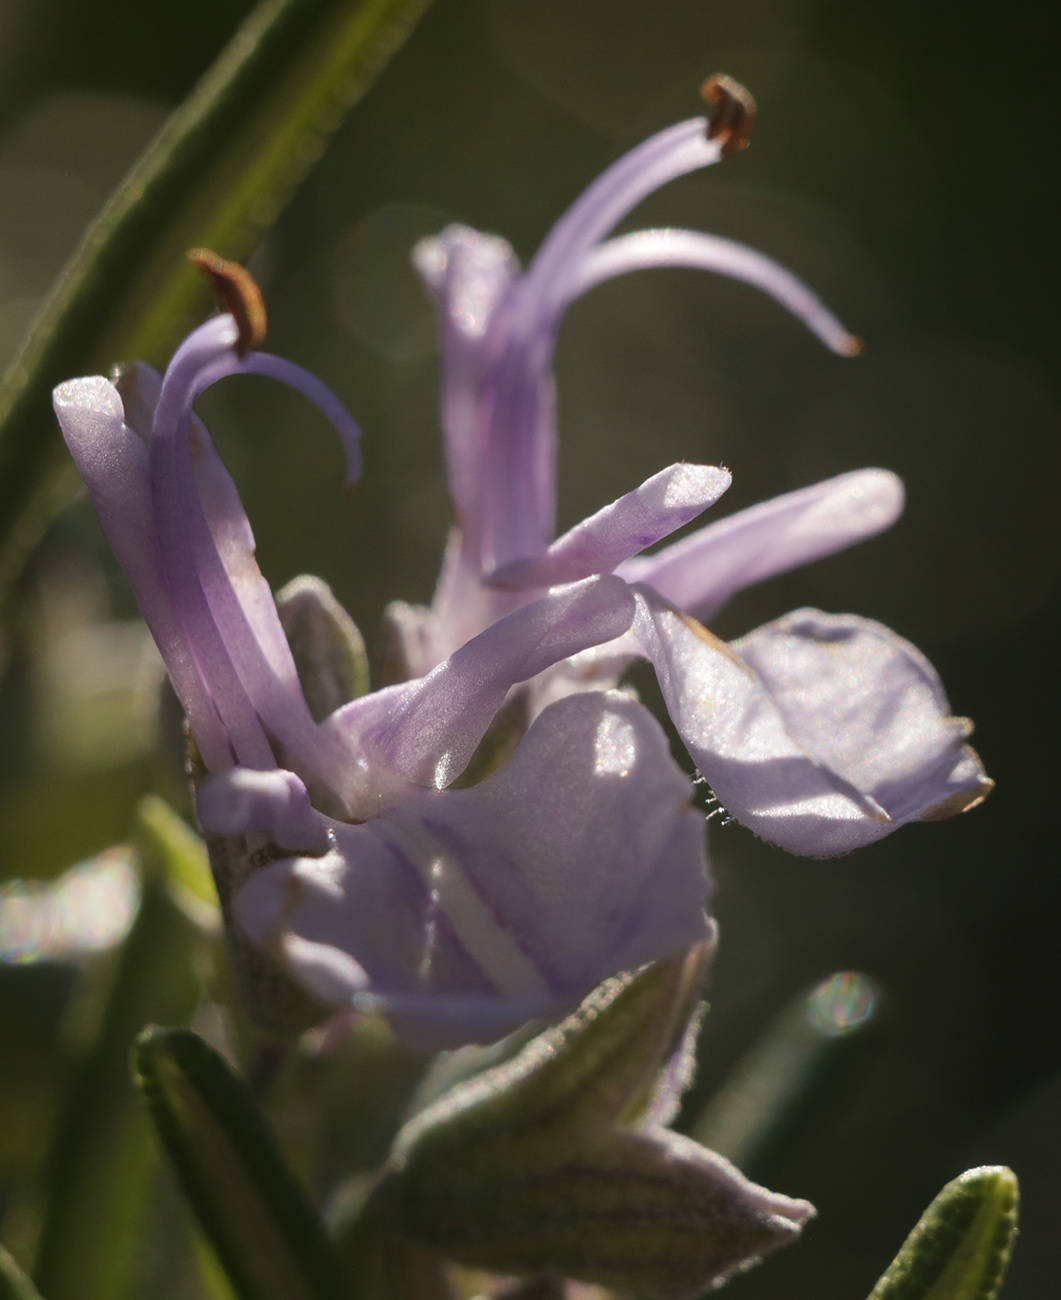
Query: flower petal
[701,572]
[473,910]
[781,762]
[112,459]
[871,706]
[660,505]
[140,387]
[643,249]
[469,275]
[738,738]
[242,800]
[427,729]
[185,541]
[225,606]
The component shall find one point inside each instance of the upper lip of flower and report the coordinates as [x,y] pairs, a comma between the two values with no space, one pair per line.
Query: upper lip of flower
[174,518]
[497,412]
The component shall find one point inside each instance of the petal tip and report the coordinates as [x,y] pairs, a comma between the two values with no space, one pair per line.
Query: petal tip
[89,393]
[959,802]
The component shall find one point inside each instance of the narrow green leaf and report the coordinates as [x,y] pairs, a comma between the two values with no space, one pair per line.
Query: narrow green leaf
[960,1249]
[14,1284]
[213,1277]
[217,174]
[102,1165]
[266,1234]
[765,1100]
[167,838]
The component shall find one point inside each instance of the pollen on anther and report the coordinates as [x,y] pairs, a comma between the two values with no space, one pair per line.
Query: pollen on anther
[734,115]
[238,294]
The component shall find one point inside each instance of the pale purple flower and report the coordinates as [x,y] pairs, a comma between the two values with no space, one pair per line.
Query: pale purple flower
[460,913]
[819,732]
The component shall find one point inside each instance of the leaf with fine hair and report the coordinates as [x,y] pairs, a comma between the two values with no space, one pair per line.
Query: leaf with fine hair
[960,1249]
[268,1237]
[217,174]
[559,1161]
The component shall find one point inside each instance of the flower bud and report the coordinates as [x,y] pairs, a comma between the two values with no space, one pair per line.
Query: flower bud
[327,648]
[557,1161]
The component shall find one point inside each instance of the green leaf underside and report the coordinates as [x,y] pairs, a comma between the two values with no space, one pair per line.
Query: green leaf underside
[266,1234]
[619,1215]
[960,1249]
[217,174]
[14,1284]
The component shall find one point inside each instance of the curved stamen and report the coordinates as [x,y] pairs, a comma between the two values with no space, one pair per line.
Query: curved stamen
[519,433]
[664,157]
[322,397]
[181,523]
[228,614]
[644,249]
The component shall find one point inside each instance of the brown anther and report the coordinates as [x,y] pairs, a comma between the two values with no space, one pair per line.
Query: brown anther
[238,294]
[734,114]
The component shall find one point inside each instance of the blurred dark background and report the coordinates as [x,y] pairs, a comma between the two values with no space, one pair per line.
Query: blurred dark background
[902,166]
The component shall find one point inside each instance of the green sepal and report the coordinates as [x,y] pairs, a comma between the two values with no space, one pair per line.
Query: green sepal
[583,1073]
[14,1284]
[217,174]
[328,650]
[383,1265]
[266,1234]
[557,1161]
[400,643]
[961,1247]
